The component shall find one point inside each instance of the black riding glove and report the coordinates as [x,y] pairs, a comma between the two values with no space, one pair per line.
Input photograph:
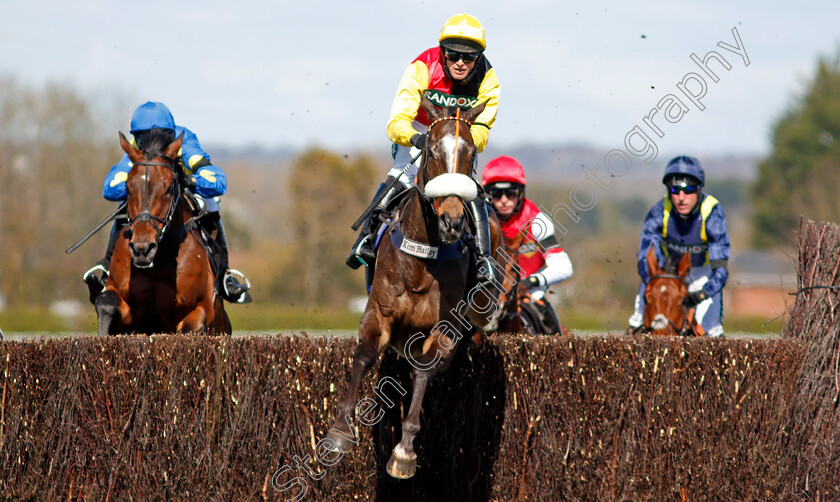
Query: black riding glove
[189,182]
[419,140]
[532,281]
[695,297]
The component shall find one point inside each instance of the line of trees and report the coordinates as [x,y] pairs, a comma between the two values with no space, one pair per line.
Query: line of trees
[801,177]
[326,194]
[52,154]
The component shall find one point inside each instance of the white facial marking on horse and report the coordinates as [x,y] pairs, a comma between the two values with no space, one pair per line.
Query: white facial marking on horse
[448,143]
[663,289]
[660,322]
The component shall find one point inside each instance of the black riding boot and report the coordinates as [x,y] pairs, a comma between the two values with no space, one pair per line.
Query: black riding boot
[550,322]
[363,253]
[229,286]
[96,283]
[485,267]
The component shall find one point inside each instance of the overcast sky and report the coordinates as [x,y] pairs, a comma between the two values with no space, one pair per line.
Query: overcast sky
[321,72]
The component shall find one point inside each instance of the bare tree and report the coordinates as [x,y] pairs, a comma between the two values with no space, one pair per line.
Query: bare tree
[327,193]
[52,161]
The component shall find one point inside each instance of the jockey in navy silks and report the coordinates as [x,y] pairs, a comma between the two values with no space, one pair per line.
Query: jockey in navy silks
[687,220]
[155,119]
[453,73]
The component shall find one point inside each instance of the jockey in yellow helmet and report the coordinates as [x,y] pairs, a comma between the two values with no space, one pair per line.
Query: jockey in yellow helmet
[453,73]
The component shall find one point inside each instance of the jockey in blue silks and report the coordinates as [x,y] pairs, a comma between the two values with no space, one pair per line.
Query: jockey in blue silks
[688,221]
[154,118]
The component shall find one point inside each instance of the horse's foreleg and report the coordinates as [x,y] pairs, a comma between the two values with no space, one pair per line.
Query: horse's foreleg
[110,307]
[221,322]
[342,433]
[403,461]
[194,322]
[483,307]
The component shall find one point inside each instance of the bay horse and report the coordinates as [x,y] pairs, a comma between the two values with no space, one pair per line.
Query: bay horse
[665,295]
[511,319]
[160,279]
[519,310]
[421,283]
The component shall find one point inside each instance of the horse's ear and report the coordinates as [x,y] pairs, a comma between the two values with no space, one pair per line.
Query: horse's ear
[684,266]
[133,152]
[473,113]
[172,150]
[653,265]
[432,111]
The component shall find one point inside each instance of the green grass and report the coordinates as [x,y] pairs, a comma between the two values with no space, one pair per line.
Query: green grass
[753,325]
[243,318]
[281,317]
[39,319]
[267,318]
[589,320]
[616,322]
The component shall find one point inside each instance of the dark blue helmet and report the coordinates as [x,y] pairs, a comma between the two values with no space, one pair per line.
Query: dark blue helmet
[683,166]
[151,115]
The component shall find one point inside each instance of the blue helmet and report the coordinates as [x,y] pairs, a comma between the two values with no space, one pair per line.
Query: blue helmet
[684,166]
[150,115]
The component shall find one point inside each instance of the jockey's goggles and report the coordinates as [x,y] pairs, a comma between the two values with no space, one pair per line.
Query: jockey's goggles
[455,56]
[510,193]
[687,189]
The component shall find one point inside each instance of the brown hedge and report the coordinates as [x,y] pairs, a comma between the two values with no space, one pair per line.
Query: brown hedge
[813,447]
[606,418]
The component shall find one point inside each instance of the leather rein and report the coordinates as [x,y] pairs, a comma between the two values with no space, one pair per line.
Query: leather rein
[145,215]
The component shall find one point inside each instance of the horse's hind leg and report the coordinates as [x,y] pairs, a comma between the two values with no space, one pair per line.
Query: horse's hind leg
[108,309]
[403,461]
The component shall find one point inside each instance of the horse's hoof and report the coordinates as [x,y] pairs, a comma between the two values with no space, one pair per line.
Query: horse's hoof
[401,468]
[338,444]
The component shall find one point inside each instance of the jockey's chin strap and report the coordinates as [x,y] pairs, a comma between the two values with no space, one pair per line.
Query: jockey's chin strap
[145,215]
[688,320]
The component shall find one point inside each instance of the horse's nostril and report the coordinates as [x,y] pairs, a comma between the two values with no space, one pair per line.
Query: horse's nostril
[142,249]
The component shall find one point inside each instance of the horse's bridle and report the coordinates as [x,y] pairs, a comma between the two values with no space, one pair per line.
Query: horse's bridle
[145,215]
[687,320]
[425,167]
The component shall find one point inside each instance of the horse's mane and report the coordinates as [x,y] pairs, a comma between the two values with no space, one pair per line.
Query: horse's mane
[154,141]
